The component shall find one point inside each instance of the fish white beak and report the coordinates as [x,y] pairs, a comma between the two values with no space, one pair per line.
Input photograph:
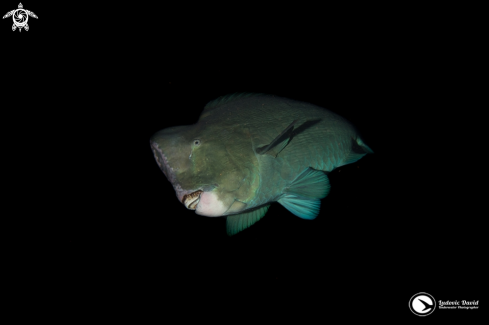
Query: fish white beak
[191,200]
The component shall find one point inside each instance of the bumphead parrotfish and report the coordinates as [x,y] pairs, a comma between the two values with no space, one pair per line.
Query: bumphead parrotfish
[249,150]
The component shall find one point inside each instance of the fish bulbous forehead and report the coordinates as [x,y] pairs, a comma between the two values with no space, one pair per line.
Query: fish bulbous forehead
[173,134]
[174,142]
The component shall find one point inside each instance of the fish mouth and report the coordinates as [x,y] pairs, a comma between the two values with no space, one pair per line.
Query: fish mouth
[191,200]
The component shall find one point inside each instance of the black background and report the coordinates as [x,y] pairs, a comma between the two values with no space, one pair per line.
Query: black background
[93,216]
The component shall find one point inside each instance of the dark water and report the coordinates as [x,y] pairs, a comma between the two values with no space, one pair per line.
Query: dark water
[94,216]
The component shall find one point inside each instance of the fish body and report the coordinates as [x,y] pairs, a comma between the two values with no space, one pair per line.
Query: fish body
[249,150]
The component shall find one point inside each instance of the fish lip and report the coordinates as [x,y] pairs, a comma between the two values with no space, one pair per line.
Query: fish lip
[182,192]
[192,199]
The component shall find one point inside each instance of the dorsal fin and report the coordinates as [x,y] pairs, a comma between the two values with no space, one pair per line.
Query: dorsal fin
[279,143]
[213,104]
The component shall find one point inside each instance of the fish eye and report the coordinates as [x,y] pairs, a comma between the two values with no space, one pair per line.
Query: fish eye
[197,142]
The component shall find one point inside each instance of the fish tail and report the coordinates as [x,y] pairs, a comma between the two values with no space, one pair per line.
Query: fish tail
[358,150]
[363,146]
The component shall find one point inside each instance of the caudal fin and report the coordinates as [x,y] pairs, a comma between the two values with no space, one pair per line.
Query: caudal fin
[358,150]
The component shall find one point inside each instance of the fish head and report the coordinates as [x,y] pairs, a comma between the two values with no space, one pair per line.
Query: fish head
[213,170]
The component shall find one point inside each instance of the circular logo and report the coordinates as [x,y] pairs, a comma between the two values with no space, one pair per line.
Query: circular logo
[20,17]
[422,304]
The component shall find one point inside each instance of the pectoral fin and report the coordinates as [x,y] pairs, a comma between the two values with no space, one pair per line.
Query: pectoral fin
[279,143]
[236,223]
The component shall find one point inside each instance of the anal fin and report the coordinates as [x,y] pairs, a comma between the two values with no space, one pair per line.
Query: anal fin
[303,195]
[301,207]
[310,184]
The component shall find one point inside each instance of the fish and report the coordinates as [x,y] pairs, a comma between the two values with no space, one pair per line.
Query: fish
[248,150]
